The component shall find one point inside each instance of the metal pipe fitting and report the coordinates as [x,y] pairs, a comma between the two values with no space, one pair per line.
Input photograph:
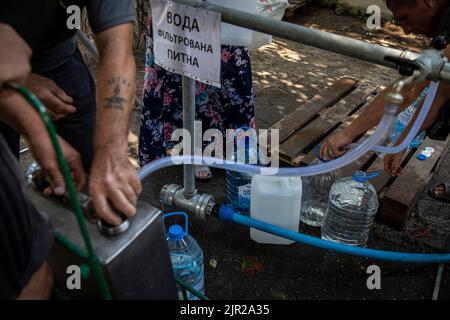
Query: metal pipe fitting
[200,204]
[396,96]
[431,63]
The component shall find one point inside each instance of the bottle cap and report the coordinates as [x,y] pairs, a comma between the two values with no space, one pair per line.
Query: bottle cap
[421,157]
[429,149]
[361,176]
[426,153]
[317,154]
[175,232]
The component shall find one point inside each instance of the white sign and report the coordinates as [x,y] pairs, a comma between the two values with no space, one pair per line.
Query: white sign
[187,40]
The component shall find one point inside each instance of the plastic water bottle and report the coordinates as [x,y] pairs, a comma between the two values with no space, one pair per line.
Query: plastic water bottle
[32,169]
[352,206]
[316,190]
[238,184]
[402,120]
[186,256]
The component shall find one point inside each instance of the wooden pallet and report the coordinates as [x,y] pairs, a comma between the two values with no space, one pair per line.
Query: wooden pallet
[334,109]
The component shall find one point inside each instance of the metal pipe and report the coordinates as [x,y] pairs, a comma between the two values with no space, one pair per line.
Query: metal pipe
[88,44]
[319,39]
[189,124]
[24,150]
[437,284]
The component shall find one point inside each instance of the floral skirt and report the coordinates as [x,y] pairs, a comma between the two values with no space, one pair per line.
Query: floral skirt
[228,107]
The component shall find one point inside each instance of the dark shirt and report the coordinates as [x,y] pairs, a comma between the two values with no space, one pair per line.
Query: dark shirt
[43,25]
[26,236]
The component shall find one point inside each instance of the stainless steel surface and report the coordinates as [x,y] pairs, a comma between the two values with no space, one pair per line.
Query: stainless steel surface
[200,204]
[315,38]
[136,263]
[112,231]
[189,124]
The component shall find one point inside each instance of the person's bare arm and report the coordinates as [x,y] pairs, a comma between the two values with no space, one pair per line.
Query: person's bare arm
[113,181]
[334,145]
[392,162]
[17,112]
[14,58]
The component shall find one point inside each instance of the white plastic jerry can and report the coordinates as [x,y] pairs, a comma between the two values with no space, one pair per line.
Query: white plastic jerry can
[277,201]
[233,35]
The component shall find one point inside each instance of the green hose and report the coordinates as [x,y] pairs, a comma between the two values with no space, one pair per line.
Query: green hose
[184,286]
[92,258]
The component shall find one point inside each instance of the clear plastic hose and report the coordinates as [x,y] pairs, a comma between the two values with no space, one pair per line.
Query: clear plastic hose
[357,152]
[416,126]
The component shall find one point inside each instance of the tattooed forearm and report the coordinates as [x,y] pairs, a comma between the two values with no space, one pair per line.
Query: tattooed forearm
[117,101]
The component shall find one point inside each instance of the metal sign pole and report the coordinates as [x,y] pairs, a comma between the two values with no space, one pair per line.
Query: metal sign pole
[188,124]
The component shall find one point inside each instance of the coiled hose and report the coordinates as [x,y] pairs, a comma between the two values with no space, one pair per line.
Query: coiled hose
[90,257]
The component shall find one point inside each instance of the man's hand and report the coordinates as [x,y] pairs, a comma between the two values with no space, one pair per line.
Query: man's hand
[392,163]
[56,101]
[334,146]
[113,183]
[16,111]
[14,58]
[45,155]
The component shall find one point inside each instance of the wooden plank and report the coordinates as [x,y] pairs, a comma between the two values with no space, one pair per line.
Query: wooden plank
[402,195]
[307,110]
[308,158]
[327,120]
[379,182]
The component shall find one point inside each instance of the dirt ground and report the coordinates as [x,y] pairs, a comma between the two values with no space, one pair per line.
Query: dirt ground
[285,74]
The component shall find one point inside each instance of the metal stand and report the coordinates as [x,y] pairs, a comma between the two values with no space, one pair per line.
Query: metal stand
[187,198]
[189,124]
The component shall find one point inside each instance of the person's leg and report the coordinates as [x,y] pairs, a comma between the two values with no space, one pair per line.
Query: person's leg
[161,110]
[231,106]
[78,128]
[236,93]
[26,236]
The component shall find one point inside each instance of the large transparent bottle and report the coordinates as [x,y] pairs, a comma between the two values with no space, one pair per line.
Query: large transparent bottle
[402,120]
[316,190]
[32,170]
[238,184]
[186,256]
[352,206]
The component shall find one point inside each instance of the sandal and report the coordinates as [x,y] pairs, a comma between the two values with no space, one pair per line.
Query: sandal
[203,173]
[440,191]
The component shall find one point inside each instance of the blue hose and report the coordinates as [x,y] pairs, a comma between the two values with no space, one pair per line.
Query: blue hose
[226,213]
